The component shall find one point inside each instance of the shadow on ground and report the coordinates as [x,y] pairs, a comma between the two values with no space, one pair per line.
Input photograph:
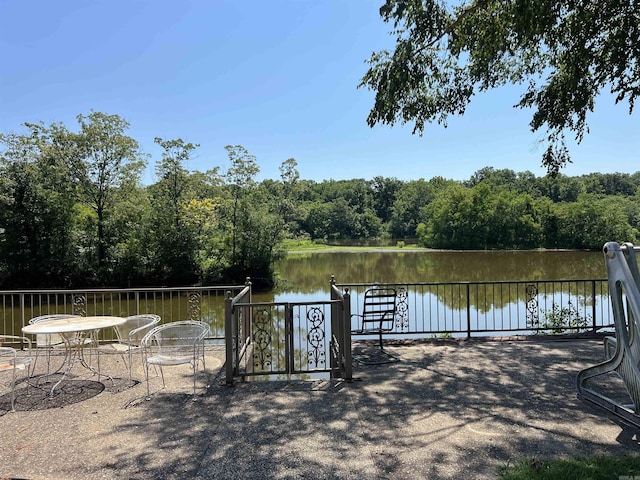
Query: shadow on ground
[39,398]
[447,409]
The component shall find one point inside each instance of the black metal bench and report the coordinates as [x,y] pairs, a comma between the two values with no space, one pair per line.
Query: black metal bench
[378,315]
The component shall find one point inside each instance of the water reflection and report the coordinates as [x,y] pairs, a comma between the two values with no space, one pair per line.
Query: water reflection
[454,308]
[306,274]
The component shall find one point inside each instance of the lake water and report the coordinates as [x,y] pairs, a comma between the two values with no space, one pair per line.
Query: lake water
[305,277]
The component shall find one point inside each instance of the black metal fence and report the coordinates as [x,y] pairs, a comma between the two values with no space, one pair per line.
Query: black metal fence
[467,309]
[172,304]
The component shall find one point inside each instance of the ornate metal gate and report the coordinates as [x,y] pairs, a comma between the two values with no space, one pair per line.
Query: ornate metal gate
[282,340]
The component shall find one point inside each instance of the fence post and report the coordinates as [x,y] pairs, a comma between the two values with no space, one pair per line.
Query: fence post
[228,338]
[247,283]
[336,328]
[341,329]
[346,326]
[468,310]
[288,342]
[22,318]
[593,304]
[246,315]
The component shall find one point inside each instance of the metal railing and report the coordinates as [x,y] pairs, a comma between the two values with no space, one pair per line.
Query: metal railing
[457,309]
[281,339]
[172,304]
[466,309]
[236,331]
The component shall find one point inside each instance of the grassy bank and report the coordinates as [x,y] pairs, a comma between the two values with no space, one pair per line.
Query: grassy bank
[306,246]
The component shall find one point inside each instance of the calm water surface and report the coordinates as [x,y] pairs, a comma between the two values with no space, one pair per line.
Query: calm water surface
[305,277]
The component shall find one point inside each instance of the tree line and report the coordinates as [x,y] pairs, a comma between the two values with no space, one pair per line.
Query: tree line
[74,213]
[494,209]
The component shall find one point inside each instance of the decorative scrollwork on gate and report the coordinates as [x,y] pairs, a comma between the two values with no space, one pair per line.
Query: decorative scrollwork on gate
[533,317]
[402,309]
[316,337]
[194,301]
[262,338]
[80,305]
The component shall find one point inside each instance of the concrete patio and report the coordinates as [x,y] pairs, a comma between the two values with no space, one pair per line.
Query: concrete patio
[449,409]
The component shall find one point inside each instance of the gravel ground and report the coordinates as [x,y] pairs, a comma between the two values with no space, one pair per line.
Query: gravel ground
[445,410]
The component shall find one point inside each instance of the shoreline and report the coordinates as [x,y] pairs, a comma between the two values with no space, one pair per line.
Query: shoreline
[410,248]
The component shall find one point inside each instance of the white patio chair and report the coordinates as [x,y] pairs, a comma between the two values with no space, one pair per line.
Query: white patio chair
[130,335]
[11,362]
[175,343]
[50,342]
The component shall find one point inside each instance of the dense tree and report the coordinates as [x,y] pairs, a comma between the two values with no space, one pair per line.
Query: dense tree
[609,184]
[173,244]
[37,216]
[339,220]
[514,222]
[505,178]
[289,196]
[105,160]
[409,207]
[548,216]
[318,221]
[241,179]
[591,222]
[631,206]
[206,184]
[251,219]
[527,182]
[133,253]
[58,187]
[481,217]
[385,191]
[450,223]
[561,188]
[261,231]
[202,218]
[564,53]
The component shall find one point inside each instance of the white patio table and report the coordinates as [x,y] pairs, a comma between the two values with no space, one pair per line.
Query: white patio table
[81,328]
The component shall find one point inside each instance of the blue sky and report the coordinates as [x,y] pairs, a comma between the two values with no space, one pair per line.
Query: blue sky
[278,77]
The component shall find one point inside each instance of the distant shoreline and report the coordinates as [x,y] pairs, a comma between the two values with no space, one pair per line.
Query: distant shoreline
[323,248]
[320,248]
